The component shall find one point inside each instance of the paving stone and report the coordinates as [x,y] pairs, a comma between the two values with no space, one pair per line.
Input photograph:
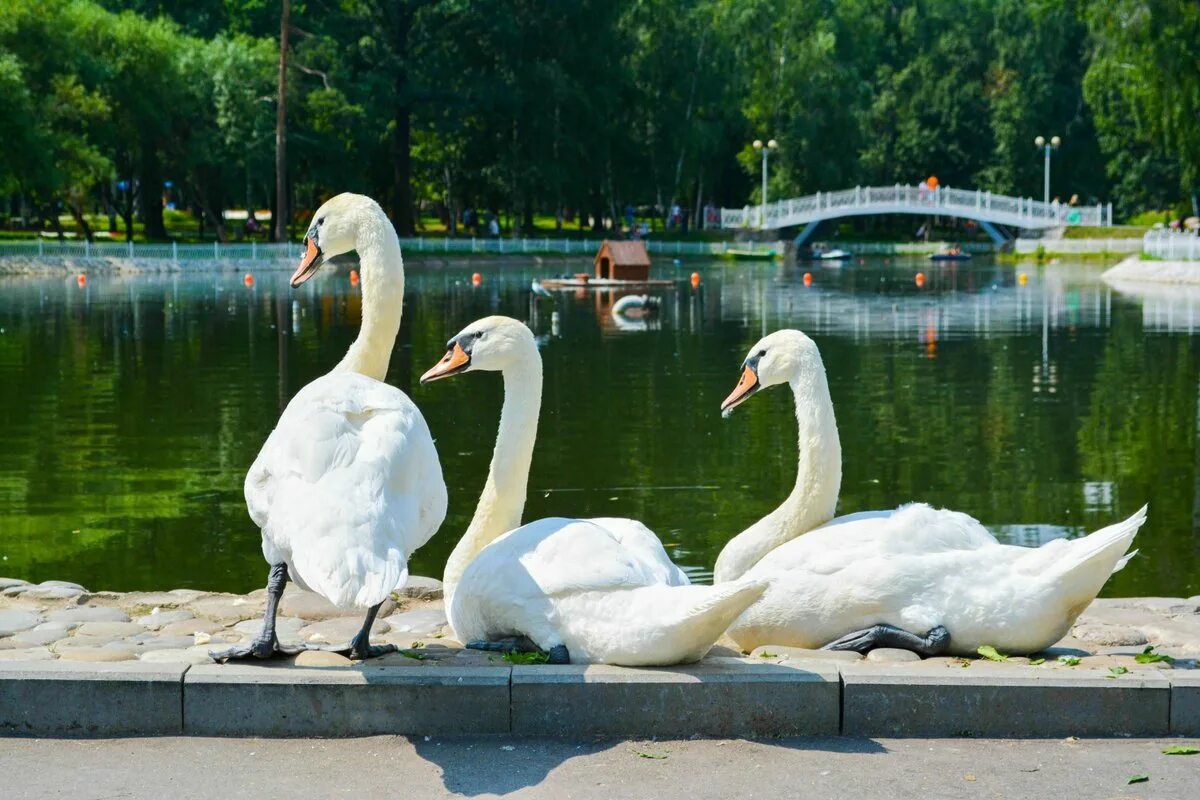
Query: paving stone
[419,622]
[148,641]
[1168,606]
[318,658]
[53,592]
[226,609]
[783,653]
[117,630]
[175,656]
[365,699]
[1106,634]
[74,699]
[286,628]
[77,653]
[14,621]
[420,587]
[60,585]
[27,654]
[891,655]
[309,605]
[719,697]
[1181,632]
[158,619]
[162,600]
[79,614]
[188,627]
[6,583]
[42,634]
[343,629]
[1185,702]
[187,595]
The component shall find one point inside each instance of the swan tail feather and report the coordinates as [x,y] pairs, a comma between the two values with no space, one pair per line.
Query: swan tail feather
[662,625]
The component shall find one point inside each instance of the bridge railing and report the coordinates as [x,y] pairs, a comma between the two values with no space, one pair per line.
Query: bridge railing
[898,198]
[1172,245]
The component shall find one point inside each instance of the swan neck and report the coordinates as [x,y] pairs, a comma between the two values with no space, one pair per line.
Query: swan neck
[381,268]
[503,498]
[813,499]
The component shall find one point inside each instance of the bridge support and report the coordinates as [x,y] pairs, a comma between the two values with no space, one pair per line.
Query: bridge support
[807,233]
[991,230]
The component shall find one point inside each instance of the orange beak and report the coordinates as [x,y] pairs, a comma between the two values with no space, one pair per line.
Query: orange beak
[746,386]
[452,363]
[308,264]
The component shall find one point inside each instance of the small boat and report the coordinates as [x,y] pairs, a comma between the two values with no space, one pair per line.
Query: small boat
[836,254]
[585,281]
[738,254]
[954,253]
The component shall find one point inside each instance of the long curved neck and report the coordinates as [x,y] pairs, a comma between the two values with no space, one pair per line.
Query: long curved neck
[503,497]
[818,480]
[382,270]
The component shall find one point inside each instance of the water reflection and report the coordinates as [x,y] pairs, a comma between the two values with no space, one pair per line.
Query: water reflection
[130,407]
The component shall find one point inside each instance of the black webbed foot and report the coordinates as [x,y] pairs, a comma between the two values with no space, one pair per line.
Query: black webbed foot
[934,643]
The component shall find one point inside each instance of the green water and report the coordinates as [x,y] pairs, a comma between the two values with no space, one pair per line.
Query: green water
[130,408]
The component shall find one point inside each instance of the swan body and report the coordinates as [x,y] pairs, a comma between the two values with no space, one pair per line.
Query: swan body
[604,589]
[346,487]
[915,568]
[349,483]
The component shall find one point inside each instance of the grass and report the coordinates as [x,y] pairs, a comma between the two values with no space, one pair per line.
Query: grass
[1114,232]
[526,658]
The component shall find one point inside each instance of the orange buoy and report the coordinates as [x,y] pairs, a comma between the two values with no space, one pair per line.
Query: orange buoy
[920,279]
[81,279]
[1022,278]
[248,279]
[476,279]
[354,277]
[808,279]
[695,279]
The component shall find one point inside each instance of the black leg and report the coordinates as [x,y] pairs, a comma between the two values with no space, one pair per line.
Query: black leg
[360,646]
[559,655]
[265,644]
[515,644]
[934,643]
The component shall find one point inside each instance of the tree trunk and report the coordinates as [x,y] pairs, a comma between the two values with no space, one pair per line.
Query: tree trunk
[150,193]
[281,189]
[80,220]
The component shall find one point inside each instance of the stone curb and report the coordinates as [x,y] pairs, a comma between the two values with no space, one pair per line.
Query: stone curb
[718,697]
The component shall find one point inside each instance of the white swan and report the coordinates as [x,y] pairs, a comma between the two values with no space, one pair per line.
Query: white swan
[866,580]
[348,484]
[589,591]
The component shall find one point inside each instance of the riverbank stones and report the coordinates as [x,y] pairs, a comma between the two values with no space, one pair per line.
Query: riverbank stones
[15,621]
[421,588]
[80,614]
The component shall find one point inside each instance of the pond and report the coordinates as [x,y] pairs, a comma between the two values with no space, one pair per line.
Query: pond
[131,407]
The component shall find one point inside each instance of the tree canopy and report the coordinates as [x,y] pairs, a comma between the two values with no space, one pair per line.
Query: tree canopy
[579,109]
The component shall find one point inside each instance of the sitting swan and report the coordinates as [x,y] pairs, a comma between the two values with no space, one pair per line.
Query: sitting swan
[589,591]
[348,484]
[866,580]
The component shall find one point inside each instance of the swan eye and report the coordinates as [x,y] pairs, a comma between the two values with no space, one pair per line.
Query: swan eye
[320,221]
[762,353]
[479,334]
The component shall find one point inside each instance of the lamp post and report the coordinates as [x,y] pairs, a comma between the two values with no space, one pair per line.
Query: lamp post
[764,149]
[1047,147]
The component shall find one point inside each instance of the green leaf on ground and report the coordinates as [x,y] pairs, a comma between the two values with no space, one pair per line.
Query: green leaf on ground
[991,653]
[1181,750]
[1069,661]
[1037,662]
[766,655]
[963,662]
[1138,779]
[411,654]
[526,658]
[646,754]
[1148,656]
[1115,672]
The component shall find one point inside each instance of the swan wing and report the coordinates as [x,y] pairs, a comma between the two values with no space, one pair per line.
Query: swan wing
[645,546]
[558,556]
[912,530]
[346,487]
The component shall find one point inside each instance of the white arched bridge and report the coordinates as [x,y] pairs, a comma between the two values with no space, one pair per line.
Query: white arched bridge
[988,209]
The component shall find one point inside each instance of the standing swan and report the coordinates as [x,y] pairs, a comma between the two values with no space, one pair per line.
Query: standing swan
[866,580]
[348,484]
[591,591]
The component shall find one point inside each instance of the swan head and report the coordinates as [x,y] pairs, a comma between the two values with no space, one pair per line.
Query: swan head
[776,358]
[333,231]
[491,344]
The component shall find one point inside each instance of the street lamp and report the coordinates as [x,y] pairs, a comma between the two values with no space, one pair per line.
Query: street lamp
[1047,146]
[764,149]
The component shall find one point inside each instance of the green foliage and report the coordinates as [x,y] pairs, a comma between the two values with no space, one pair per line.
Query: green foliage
[576,110]
[1148,656]
[990,653]
[1069,661]
[1138,779]
[1116,672]
[515,657]
[1181,750]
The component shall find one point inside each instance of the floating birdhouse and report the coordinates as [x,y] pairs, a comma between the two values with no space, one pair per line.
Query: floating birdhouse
[622,261]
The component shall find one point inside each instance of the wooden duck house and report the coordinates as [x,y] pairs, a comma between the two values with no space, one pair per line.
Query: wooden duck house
[622,261]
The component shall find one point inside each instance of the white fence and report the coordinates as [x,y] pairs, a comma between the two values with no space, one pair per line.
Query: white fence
[1022,212]
[1172,245]
[1080,246]
[286,251]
